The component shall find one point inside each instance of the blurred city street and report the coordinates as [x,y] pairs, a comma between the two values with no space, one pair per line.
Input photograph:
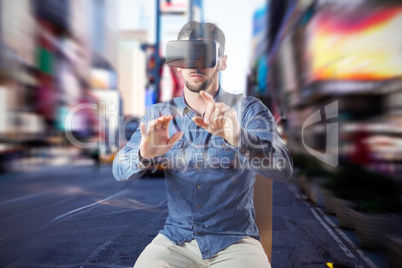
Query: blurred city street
[75,216]
[78,76]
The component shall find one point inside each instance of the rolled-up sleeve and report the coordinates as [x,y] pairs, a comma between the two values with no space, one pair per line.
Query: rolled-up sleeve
[261,147]
[126,163]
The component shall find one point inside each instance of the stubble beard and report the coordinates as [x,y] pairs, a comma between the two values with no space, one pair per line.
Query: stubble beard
[197,87]
[205,85]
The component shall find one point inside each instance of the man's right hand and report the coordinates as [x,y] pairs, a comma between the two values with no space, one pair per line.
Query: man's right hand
[155,139]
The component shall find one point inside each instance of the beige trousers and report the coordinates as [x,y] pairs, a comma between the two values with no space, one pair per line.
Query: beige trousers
[162,253]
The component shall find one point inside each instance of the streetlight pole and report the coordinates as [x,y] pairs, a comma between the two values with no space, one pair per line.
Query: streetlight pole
[191,10]
[195,10]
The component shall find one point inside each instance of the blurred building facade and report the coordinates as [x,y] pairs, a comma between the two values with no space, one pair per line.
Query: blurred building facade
[327,69]
[132,65]
[258,76]
[335,73]
[47,56]
[103,74]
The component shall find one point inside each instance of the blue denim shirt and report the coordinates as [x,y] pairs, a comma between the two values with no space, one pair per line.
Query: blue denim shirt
[209,182]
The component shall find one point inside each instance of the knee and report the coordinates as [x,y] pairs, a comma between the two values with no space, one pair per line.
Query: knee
[150,263]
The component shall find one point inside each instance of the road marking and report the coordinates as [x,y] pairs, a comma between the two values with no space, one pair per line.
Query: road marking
[153,208]
[336,238]
[350,242]
[21,198]
[340,232]
[90,205]
[298,196]
[35,210]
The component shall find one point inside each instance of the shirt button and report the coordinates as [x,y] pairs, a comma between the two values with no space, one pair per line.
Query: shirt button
[198,187]
[197,167]
[224,145]
[197,146]
[196,224]
[198,206]
[195,233]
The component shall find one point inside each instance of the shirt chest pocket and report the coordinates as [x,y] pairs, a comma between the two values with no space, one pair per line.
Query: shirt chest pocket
[178,145]
[220,154]
[177,156]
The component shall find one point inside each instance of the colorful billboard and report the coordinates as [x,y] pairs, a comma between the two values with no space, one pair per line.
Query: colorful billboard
[361,44]
[259,42]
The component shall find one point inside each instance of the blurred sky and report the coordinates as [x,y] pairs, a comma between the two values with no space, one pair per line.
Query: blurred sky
[233,17]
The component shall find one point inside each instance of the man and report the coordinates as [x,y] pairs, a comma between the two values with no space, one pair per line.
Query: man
[212,144]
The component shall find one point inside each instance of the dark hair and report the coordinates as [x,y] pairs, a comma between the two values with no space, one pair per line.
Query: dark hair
[195,30]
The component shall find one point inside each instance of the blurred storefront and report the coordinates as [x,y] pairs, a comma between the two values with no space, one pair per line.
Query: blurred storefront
[258,77]
[45,63]
[336,69]
[344,56]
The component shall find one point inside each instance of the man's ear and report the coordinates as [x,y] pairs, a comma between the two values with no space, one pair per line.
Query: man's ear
[223,63]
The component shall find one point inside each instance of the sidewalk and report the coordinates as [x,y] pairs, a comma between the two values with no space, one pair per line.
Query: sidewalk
[305,236]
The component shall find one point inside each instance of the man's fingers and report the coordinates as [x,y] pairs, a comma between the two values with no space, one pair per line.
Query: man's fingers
[200,122]
[206,96]
[158,122]
[152,123]
[214,116]
[220,114]
[211,110]
[208,113]
[177,136]
[165,122]
[143,130]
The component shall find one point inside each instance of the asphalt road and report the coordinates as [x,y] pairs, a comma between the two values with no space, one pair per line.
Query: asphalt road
[75,217]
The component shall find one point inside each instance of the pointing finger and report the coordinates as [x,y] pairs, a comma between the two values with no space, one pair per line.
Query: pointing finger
[206,96]
[208,113]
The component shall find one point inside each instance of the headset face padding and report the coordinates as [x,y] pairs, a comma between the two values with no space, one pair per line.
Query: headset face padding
[192,54]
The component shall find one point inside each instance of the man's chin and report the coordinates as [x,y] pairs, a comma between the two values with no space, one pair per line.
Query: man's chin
[196,88]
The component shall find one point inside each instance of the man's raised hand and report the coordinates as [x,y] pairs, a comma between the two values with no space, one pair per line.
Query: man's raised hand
[155,140]
[219,119]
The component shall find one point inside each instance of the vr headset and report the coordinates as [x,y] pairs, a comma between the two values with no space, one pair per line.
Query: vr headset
[192,54]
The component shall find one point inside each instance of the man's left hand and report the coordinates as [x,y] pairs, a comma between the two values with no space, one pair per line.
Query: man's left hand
[219,119]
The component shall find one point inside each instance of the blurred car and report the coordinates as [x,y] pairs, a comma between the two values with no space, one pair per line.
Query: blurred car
[103,153]
[107,158]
